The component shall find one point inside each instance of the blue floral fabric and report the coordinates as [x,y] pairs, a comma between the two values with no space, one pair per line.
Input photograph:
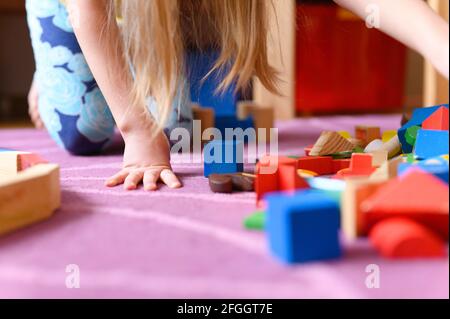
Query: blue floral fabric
[70,102]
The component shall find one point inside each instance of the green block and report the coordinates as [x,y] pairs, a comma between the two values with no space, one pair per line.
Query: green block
[411,158]
[256,221]
[411,134]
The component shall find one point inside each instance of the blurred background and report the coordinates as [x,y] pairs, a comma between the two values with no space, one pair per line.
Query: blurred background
[338,65]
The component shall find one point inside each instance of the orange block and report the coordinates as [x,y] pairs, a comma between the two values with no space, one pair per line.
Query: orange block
[438,120]
[416,195]
[367,134]
[360,165]
[288,177]
[405,238]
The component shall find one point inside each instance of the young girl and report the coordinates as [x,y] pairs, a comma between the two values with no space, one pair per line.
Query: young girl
[94,73]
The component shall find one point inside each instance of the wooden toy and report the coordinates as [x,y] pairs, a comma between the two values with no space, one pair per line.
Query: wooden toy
[438,120]
[227,183]
[374,146]
[205,115]
[12,162]
[256,221]
[353,221]
[303,227]
[306,174]
[322,165]
[345,134]
[356,142]
[330,143]
[438,166]
[393,147]
[431,143]
[367,133]
[387,171]
[416,195]
[405,238]
[29,196]
[360,165]
[411,134]
[340,164]
[277,174]
[223,157]
[263,116]
[417,119]
[379,158]
[388,135]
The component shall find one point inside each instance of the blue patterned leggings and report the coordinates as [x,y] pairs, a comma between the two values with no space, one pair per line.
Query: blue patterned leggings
[71,105]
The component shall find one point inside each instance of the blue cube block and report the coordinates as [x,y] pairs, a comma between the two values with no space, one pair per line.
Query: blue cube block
[303,227]
[203,90]
[418,117]
[232,122]
[438,166]
[223,157]
[431,143]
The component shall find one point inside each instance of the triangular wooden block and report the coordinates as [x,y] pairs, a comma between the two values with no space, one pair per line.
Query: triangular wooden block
[331,143]
[405,238]
[417,195]
[438,120]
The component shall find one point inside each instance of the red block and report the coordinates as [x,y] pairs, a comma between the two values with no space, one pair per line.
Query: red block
[288,177]
[340,164]
[321,165]
[438,120]
[405,238]
[265,182]
[29,160]
[360,165]
[417,195]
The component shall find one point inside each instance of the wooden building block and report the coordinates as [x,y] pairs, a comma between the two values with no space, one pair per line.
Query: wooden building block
[227,183]
[322,165]
[256,221]
[263,117]
[289,179]
[360,165]
[373,146]
[353,221]
[30,196]
[388,135]
[331,143]
[205,115]
[379,158]
[388,170]
[416,195]
[405,238]
[367,133]
[303,227]
[266,179]
[340,164]
[393,147]
[439,120]
[431,143]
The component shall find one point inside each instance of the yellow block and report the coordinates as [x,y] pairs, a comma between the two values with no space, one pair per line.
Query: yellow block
[307,174]
[388,135]
[345,134]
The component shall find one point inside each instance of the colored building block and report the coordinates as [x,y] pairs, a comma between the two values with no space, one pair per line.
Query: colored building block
[202,90]
[307,174]
[438,166]
[438,120]
[431,143]
[331,187]
[367,134]
[393,147]
[360,165]
[387,171]
[405,238]
[12,162]
[340,164]
[256,221]
[388,135]
[232,122]
[29,196]
[418,117]
[416,195]
[277,174]
[379,158]
[345,134]
[227,183]
[330,143]
[411,134]
[321,165]
[303,227]
[353,219]
[223,157]
[374,146]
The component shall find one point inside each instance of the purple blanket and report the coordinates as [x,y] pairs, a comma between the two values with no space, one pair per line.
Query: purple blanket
[186,243]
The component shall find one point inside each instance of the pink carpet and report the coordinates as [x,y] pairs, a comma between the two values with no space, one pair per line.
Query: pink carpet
[186,243]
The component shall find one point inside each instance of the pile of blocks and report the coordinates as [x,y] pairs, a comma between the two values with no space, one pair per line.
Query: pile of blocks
[29,190]
[391,187]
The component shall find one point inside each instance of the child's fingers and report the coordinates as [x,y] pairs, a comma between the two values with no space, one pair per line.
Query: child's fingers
[117,179]
[150,180]
[170,179]
[133,180]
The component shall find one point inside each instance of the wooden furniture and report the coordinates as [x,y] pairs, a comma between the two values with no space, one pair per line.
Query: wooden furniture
[12,6]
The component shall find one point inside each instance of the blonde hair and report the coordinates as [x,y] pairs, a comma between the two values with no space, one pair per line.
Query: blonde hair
[157,33]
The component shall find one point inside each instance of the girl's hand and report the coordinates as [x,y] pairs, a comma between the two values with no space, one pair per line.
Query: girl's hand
[145,160]
[33,106]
